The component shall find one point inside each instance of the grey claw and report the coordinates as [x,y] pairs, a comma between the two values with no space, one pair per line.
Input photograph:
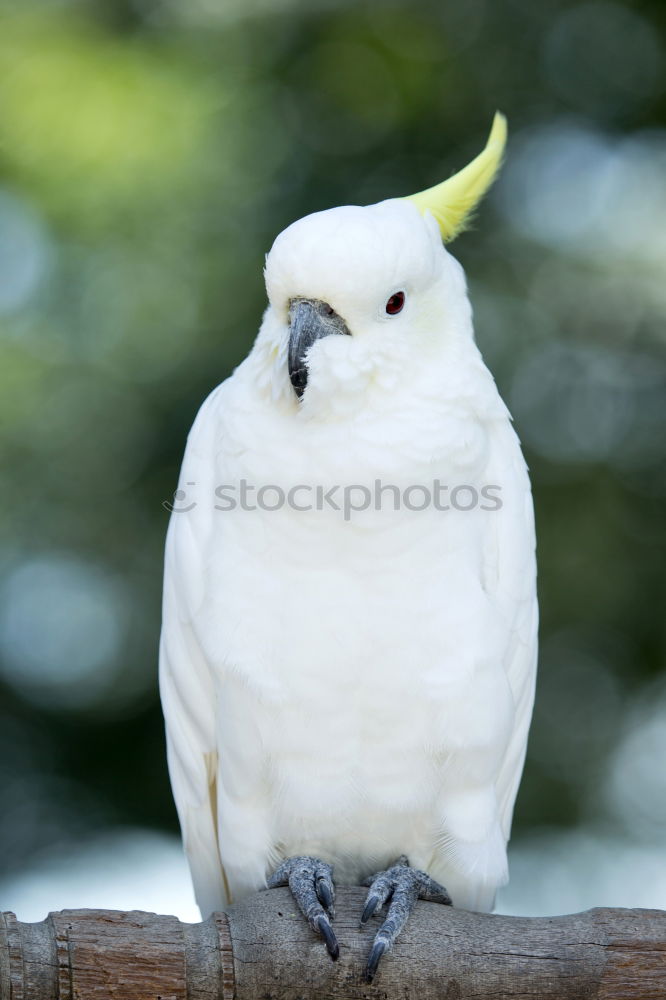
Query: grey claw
[326,932]
[378,949]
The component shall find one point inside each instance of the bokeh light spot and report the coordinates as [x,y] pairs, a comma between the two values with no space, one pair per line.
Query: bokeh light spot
[62,624]
[24,252]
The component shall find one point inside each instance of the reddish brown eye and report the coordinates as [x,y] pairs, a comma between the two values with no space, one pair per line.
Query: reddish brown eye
[395,303]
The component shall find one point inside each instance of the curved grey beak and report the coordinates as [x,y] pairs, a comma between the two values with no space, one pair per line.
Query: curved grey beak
[309,320]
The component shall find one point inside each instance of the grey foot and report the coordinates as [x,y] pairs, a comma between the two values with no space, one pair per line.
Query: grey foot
[403,886]
[311,884]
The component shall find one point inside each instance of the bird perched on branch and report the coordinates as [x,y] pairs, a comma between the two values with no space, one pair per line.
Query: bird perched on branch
[349,639]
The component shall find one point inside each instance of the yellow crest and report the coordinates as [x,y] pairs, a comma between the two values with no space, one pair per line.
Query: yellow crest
[452,201]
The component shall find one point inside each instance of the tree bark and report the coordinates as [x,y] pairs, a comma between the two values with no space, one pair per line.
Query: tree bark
[264,950]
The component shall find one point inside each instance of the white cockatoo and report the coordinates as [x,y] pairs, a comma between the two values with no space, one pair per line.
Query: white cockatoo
[348,649]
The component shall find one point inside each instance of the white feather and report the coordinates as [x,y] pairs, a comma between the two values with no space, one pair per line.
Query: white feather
[353,689]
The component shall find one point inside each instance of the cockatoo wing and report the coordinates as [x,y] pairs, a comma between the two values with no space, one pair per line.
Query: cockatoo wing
[186,682]
[510,558]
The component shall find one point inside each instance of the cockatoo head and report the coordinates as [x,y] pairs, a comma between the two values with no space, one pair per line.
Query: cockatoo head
[356,292]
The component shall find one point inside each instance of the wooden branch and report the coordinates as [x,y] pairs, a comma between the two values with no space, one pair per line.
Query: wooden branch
[264,950]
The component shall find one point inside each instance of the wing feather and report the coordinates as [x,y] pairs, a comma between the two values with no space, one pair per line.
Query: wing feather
[187,685]
[509,558]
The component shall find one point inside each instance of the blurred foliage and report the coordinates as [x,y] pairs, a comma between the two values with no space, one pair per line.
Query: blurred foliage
[150,151]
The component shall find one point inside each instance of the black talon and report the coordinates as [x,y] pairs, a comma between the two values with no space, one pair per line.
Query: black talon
[380,890]
[378,949]
[324,893]
[370,907]
[326,932]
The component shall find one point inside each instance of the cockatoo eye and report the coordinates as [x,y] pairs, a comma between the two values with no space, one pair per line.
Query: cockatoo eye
[395,303]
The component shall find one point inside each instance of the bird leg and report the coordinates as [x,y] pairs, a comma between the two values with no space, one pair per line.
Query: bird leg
[401,885]
[311,883]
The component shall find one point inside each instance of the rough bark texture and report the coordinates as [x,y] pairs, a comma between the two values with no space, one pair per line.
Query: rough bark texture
[264,950]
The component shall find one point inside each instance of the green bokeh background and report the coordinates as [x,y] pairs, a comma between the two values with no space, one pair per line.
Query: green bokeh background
[150,152]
